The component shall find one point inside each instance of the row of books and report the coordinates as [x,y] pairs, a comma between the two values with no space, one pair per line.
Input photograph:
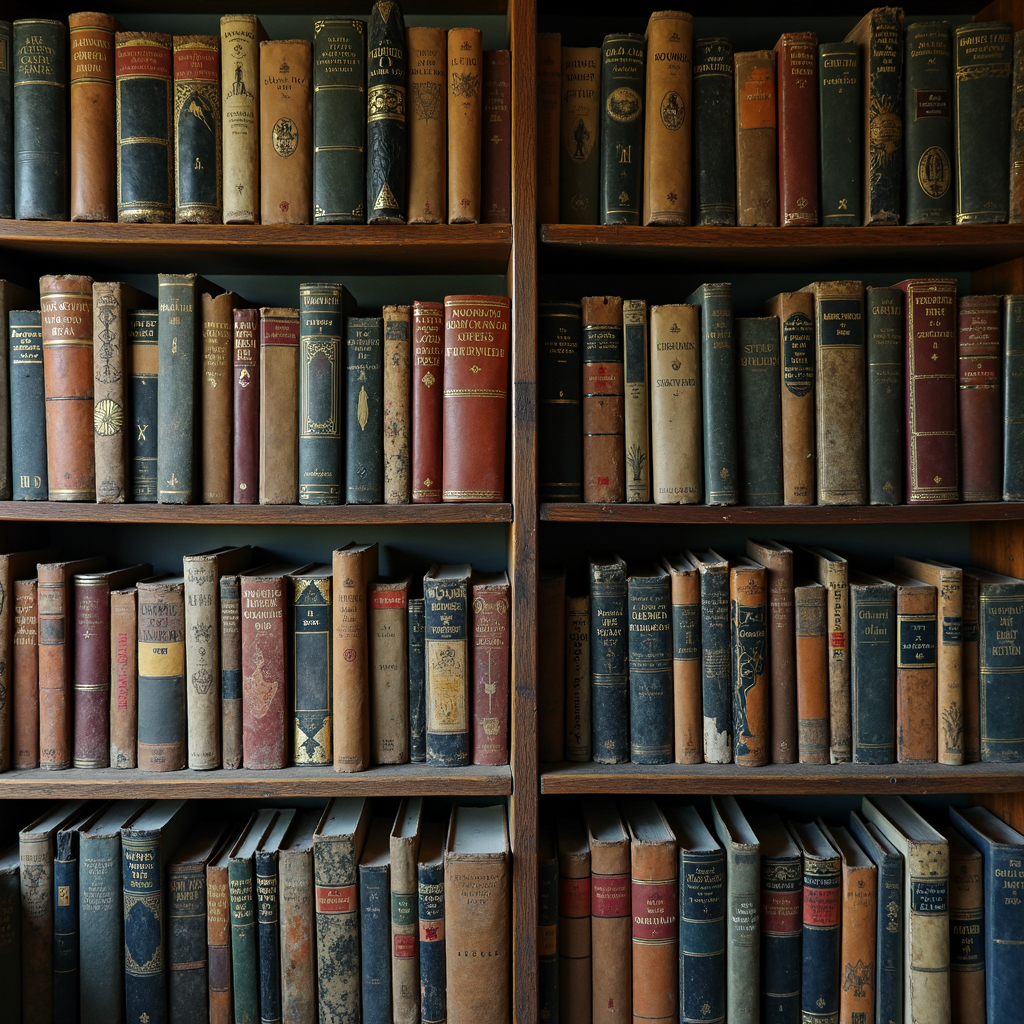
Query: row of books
[200,398]
[757,920]
[180,911]
[910,125]
[368,123]
[842,394]
[781,655]
[237,664]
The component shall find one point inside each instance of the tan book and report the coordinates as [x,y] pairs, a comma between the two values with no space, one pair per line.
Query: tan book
[397,404]
[124,678]
[969,672]
[286,131]
[686,654]
[297,902]
[677,468]
[387,600]
[240,36]
[668,119]
[215,400]
[549,90]
[577,678]
[24,677]
[427,127]
[551,665]
[405,961]
[574,923]
[279,406]
[465,112]
[757,172]
[966,929]
[636,407]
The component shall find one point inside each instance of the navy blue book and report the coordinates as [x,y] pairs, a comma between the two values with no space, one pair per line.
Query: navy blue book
[142,396]
[650,665]
[430,897]
[446,639]
[714,133]
[312,652]
[417,682]
[1013,398]
[268,918]
[375,923]
[28,406]
[547,926]
[65,922]
[364,415]
[872,668]
[839,113]
[609,660]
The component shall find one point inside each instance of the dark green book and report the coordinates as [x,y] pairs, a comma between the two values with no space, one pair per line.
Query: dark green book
[6,122]
[651,732]
[609,660]
[364,415]
[1013,398]
[839,114]
[928,118]
[560,406]
[759,386]
[385,115]
[872,668]
[579,166]
[714,135]
[622,127]
[28,407]
[883,336]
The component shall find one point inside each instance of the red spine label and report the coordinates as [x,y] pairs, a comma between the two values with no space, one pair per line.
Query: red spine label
[144,61]
[387,599]
[655,911]
[405,946]
[279,332]
[609,895]
[574,897]
[336,899]
[821,906]
[780,912]
[432,931]
[197,65]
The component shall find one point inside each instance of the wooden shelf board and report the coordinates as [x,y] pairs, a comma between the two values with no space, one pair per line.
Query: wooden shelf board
[309,781]
[692,779]
[350,8]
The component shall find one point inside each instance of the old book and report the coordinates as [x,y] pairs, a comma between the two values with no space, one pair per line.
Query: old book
[649,656]
[748,599]
[197,130]
[246,386]
[297,900]
[980,413]
[496,138]
[240,36]
[636,411]
[668,118]
[397,409]
[967,925]
[218,930]
[375,925]
[66,938]
[547,925]
[759,397]
[405,967]
[312,676]
[446,642]
[465,114]
[757,202]
[1016,211]
[430,909]
[577,679]
[28,459]
[66,308]
[279,406]
[491,604]
[575,950]
[427,388]
[684,582]
[124,678]
[1013,397]
[810,627]
[549,87]
[884,356]
[364,399]
[579,163]
[840,68]
[230,672]
[385,115]
[417,682]
[143,357]
[427,58]
[796,61]
[7,166]
[339,121]
[286,131]
[560,401]
[716,666]
[143,78]
[970,669]
[24,676]
[387,598]
[714,133]
[217,406]
[623,55]
[551,664]
[268,915]
[609,659]
[873,645]
[604,455]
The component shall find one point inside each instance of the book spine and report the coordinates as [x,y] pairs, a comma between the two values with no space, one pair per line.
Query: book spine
[1013,398]
[268,936]
[108,364]
[969,671]
[609,665]
[883,128]
[611,925]
[279,406]
[781,935]
[6,124]
[161,687]
[718,392]
[187,972]
[66,310]
[547,941]
[143,896]
[427,51]
[916,694]
[202,661]
[1000,672]
[446,639]
[782,662]
[650,670]
[1016,213]
[55,668]
[101,930]
[230,672]
[979,357]
[197,130]
[949,667]
[245,968]
[91,728]
[575,945]
[889,938]
[430,903]
[465,115]
[124,649]
[496,159]
[883,336]
[25,677]
[702,906]
[403,946]
[298,936]
[397,404]
[385,116]
[810,627]
[375,943]
[176,347]
[579,166]
[623,58]
[759,398]
[967,931]
[716,686]
[604,456]
[143,79]
[417,683]
[491,608]
[350,660]
[577,679]
[36,884]
[748,594]
[654,903]
[857,943]
[427,371]
[240,116]
[40,145]
[1003,925]
[218,944]
[311,730]
[743,934]
[872,686]
[636,412]
[796,56]
[143,356]
[559,402]
[246,405]
[686,668]
[389,674]
[926,960]
[66,943]
[714,138]
[28,408]
[339,121]
[756,140]
[265,697]
[364,399]
[839,83]
[838,602]
[822,907]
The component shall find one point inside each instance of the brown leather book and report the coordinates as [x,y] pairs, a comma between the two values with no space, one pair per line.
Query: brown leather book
[24,687]
[686,664]
[397,404]
[549,90]
[489,685]
[231,672]
[550,665]
[811,658]
[496,132]
[796,60]
[967,927]
[93,171]
[574,932]
[387,599]
[427,388]
[286,131]
[218,932]
[465,111]
[240,37]
[756,140]
[668,119]
[216,396]
[124,678]
[476,362]
[577,679]
[427,60]
[970,671]
[279,406]
[245,383]
[604,454]
[298,924]
[66,304]
[981,411]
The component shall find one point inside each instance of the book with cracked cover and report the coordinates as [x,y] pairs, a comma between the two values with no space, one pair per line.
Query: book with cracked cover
[387,598]
[143,358]
[240,36]
[757,203]
[427,411]
[873,646]
[579,165]
[604,430]
[840,116]
[279,406]
[197,130]
[124,678]
[577,711]
[980,412]
[386,142]
[465,122]
[427,52]
[491,604]
[636,400]
[496,132]
[286,131]
[21,353]
[311,652]
[796,61]
[364,421]
[446,594]
[397,404]
[884,354]
[560,401]
[404,944]
[649,657]
[245,383]
[623,59]
[296,900]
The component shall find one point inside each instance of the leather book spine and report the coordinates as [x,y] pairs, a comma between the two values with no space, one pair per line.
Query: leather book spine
[66,309]
[575,939]
[577,679]
[446,639]
[286,131]
[25,677]
[230,672]
[427,53]
[1000,672]
[968,928]
[143,79]
[604,455]
[701,934]
[28,407]
[916,694]
[417,683]
[268,921]
[927,115]
[654,903]
[551,644]
[742,913]
[610,930]
[969,670]
[245,382]
[1013,398]
[202,661]
[883,340]
[91,721]
[491,650]
[872,683]
[932,456]
[796,56]
[216,430]
[835,577]
[560,401]
[714,136]
[11,297]
[197,130]
[1016,213]
[385,115]
[686,667]
[7,129]
[39,59]
[386,602]
[623,58]
[979,359]
[496,132]
[55,667]
[311,731]
[840,118]
[477,334]
[404,947]
[265,696]
[748,599]
[609,666]
[430,906]
[549,88]
[109,376]
[716,685]
[649,610]
[93,170]
[278,469]
[781,935]
[66,942]
[397,404]
[36,883]
[145,990]
[822,909]
[245,990]
[101,929]
[187,967]
[375,942]
[668,118]
[857,944]
[124,678]
[809,627]
[636,408]
[465,122]
[298,935]
[982,101]
[759,398]
[240,116]
[339,121]
[757,201]
[143,357]
[579,165]
[427,373]
[161,667]
[364,418]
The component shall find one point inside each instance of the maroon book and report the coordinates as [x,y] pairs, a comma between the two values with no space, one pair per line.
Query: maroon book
[25,677]
[427,382]
[496,139]
[979,345]
[931,390]
[490,692]
[246,383]
[796,65]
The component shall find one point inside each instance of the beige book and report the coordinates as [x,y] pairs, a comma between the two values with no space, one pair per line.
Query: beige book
[549,93]
[124,678]
[636,408]
[574,922]
[577,678]
[286,131]
[216,398]
[465,111]
[397,404]
[279,406]
[240,36]
[427,124]
[677,468]
[551,665]
[405,961]
[686,665]
[386,611]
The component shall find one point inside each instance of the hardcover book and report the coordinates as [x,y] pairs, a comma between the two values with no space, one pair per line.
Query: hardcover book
[796,61]
[286,131]
[13,298]
[873,653]
[686,660]
[491,594]
[24,676]
[197,130]
[417,682]
[980,413]
[757,203]
[385,115]
[748,593]
[575,946]
[716,657]
[246,383]
[884,353]
[1017,132]
[623,56]
[387,599]
[66,939]
[427,411]
[496,131]
[579,166]
[559,401]
[842,167]
[649,658]
[430,909]
[714,133]
[364,398]
[636,413]
[427,65]
[465,115]
[446,642]
[7,131]
[279,406]
[404,945]
[312,668]
[375,925]
[604,455]
[609,659]
[1013,397]
[230,672]
[218,930]
[810,626]
[124,678]
[549,86]
[268,915]
[240,36]
[27,407]
[143,357]
[397,404]
[759,397]
[297,901]
[967,925]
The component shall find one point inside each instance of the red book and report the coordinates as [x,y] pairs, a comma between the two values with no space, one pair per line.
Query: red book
[931,390]
[246,383]
[796,68]
[427,377]
[491,602]
[476,344]
[25,678]
[496,132]
[981,399]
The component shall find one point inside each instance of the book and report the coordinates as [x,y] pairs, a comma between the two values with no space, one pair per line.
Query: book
[579,164]
[29,481]
[491,604]
[757,203]
[24,676]
[397,404]
[970,671]
[577,710]
[684,584]
[551,665]
[874,640]
[623,56]
[197,130]
[218,929]
[124,678]
[230,672]
[559,401]
[427,410]
[1013,408]
[636,412]
[297,900]
[278,470]
[840,117]
[404,945]
[7,131]
[604,454]
[884,355]
[427,128]
[716,654]
[547,925]
[1016,212]
[312,670]
[430,910]
[496,137]
[417,681]
[649,657]
[609,659]
[143,357]
[979,415]
[967,925]
[714,133]
[240,36]
[246,385]
[796,63]
[66,938]
[268,915]
[748,619]
[387,598]
[385,115]
[759,397]
[810,627]
[549,85]
[465,116]
[375,924]
[286,131]
[364,399]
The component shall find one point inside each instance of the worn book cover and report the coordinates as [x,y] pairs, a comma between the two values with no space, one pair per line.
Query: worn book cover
[686,659]
[465,118]
[579,151]
[980,413]
[427,124]
[716,654]
[748,615]
[560,401]
[387,599]
[491,603]
[427,385]
[240,36]
[649,656]
[197,130]
[386,109]
[446,595]
[278,469]
[810,627]
[714,132]
[796,61]
[604,454]
[496,133]
[609,659]
[27,480]
[636,407]
[286,131]
[397,407]
[757,202]
[124,678]
[623,56]
[404,945]
[312,666]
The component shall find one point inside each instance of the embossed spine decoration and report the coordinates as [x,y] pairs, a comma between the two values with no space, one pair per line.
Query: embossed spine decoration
[748,596]
[216,405]
[240,36]
[28,407]
[25,676]
[364,423]
[108,362]
[385,115]
[496,159]
[579,167]
[230,672]
[446,644]
[397,404]
[622,128]
[491,619]
[311,728]
[197,128]
[430,906]
[650,666]
[714,136]
[604,455]
[980,414]
[427,383]
[143,351]
[609,660]
[465,114]
[1016,132]
[796,56]
[842,167]
[427,124]
[757,203]
[636,401]
[386,601]
[872,679]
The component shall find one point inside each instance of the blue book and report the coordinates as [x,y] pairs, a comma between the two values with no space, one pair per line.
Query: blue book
[650,666]
[716,669]
[28,406]
[268,918]
[364,411]
[65,922]
[446,640]
[417,682]
[312,653]
[609,660]
[872,668]
[1013,398]
[430,900]
[375,923]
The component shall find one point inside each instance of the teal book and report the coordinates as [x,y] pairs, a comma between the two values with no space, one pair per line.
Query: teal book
[759,400]
[28,407]
[872,668]
[883,340]
[650,665]
[1013,398]
[839,116]
[364,411]
[623,57]
[268,917]
[6,123]
[312,651]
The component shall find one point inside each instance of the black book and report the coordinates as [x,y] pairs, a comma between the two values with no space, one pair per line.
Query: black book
[268,917]
[385,115]
[714,134]
[66,922]
[560,405]
[417,682]
[609,660]
[6,124]
[759,402]
[364,416]
[839,116]
[622,127]
[28,407]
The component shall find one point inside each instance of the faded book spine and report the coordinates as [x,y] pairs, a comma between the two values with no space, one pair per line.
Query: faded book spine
[124,678]
[91,722]
[980,414]
[1017,131]
[916,695]
[968,928]
[28,407]
[809,623]
[839,78]
[36,883]
[187,954]
[161,667]
[245,382]
[579,165]
[748,598]
[279,406]
[230,672]
[143,355]
[385,115]
[714,136]
[286,131]
[417,683]
[311,730]
[872,656]
[796,56]
[490,699]
[549,86]
[883,337]
[622,127]
[386,603]
[636,410]
[265,696]
[686,674]
[427,53]
[1013,398]
[716,685]
[577,679]
[374,941]
[53,594]
[604,456]
[25,677]
[197,130]
[202,661]
[427,382]
[240,116]
[970,670]
[446,639]
[109,375]
[759,402]
[649,613]
[496,131]
[218,943]
[364,422]
[465,115]
[397,404]
[298,935]
[757,202]
[336,877]
[350,690]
